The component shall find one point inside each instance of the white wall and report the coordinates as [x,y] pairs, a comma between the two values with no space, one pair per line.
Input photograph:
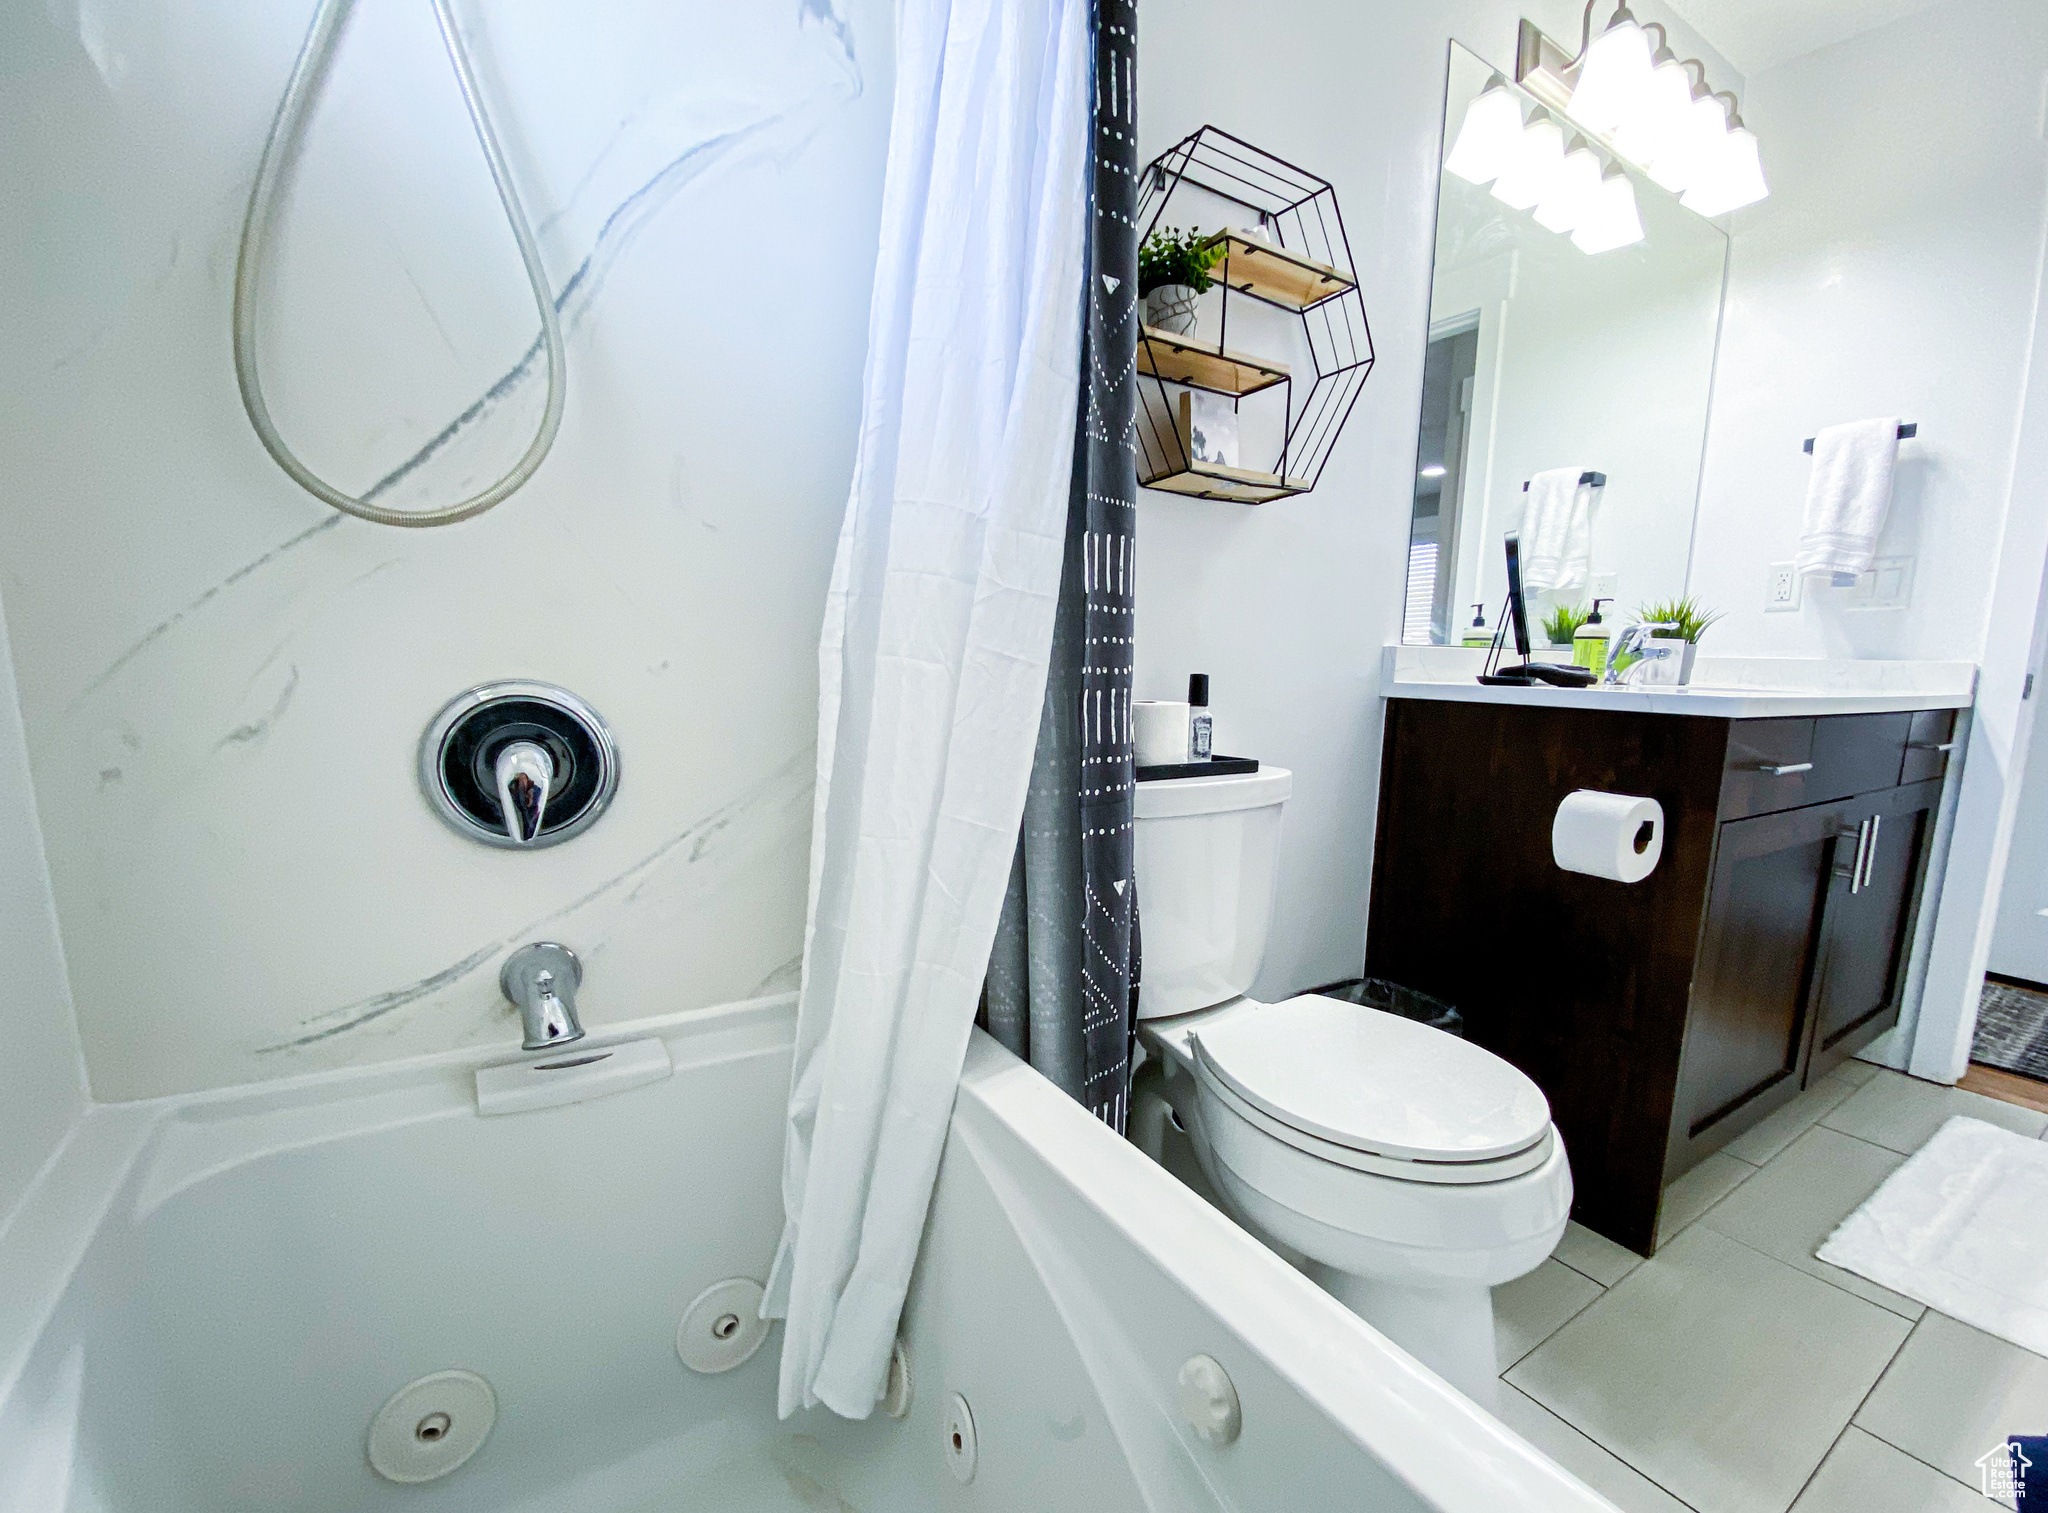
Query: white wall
[1893,270]
[224,682]
[42,1074]
[1288,605]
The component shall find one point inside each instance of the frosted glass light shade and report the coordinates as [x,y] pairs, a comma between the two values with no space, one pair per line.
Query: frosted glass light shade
[1730,177]
[1572,189]
[1612,80]
[1487,141]
[1706,125]
[1538,156]
[1659,121]
[1611,219]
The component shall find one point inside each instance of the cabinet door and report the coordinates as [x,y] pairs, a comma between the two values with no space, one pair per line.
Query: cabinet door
[1745,1039]
[1868,922]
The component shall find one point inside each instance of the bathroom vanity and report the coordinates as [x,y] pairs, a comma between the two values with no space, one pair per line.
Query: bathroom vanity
[1663,1018]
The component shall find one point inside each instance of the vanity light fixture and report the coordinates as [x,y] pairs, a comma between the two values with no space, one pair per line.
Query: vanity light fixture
[1614,76]
[1728,174]
[1611,219]
[1649,108]
[1492,132]
[1538,155]
[1573,188]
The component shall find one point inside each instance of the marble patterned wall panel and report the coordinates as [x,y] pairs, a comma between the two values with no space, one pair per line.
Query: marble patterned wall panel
[224,682]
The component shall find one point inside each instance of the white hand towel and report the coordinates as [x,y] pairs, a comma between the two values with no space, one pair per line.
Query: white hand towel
[1557,531]
[1847,497]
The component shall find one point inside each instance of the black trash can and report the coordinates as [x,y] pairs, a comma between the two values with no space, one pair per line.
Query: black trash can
[1375,993]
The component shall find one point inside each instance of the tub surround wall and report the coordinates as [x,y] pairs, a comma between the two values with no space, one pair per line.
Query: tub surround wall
[223,681]
[42,1074]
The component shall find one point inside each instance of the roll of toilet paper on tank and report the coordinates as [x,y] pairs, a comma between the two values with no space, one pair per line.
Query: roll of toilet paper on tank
[1614,835]
[1160,727]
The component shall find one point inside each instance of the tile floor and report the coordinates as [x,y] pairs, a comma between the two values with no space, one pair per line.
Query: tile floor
[1734,1373]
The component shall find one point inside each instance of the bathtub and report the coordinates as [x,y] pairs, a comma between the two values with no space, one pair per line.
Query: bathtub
[205,1301]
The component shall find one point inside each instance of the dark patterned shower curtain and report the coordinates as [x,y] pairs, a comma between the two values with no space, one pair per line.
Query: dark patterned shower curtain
[1061,978]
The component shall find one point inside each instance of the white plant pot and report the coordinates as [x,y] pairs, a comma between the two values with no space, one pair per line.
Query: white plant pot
[1172,307]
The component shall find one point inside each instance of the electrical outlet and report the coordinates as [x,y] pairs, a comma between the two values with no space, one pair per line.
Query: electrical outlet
[1605,586]
[1781,588]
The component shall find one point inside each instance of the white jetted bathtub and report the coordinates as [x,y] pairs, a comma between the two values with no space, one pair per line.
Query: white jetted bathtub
[206,1301]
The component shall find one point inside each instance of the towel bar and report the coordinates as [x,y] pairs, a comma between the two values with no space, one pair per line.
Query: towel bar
[1597,480]
[1908,430]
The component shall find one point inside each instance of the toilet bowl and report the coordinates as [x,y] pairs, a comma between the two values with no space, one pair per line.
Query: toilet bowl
[1408,1170]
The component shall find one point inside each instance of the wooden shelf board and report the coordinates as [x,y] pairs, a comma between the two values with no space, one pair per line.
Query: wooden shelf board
[1240,485]
[1273,273]
[1181,359]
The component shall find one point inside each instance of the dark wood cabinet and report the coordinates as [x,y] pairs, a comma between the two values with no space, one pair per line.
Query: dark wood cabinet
[1662,1019]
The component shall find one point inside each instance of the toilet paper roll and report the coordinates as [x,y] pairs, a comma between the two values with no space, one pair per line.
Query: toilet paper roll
[1613,835]
[1160,729]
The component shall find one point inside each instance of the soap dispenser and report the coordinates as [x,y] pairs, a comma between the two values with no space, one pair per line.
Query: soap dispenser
[1589,642]
[1476,634]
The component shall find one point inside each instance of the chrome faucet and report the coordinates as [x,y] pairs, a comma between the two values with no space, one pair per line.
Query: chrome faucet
[542,978]
[1632,648]
[525,774]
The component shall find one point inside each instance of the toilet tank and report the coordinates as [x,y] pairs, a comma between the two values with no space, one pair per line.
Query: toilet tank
[1208,854]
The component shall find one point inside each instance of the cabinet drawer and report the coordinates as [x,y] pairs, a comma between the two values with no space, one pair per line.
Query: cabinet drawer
[1856,753]
[1775,765]
[1926,754]
[1769,762]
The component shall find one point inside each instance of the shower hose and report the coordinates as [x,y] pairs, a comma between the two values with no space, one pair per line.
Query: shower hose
[284,129]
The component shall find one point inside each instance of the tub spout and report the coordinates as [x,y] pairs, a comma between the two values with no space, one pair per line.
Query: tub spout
[542,979]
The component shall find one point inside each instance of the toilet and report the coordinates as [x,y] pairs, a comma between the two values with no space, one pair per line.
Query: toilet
[1405,1170]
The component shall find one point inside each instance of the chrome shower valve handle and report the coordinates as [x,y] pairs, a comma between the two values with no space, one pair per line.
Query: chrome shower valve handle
[525,775]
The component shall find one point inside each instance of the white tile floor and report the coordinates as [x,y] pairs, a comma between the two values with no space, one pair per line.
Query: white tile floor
[1733,1373]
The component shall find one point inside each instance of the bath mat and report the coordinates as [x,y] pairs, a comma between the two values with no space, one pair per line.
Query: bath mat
[1963,1228]
[2012,1029]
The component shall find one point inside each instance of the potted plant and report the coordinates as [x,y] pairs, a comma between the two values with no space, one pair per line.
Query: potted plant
[1690,621]
[1173,275]
[1563,622]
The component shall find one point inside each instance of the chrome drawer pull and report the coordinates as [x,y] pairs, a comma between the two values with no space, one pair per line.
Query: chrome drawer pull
[1784,769]
[1869,854]
[1852,873]
[1942,746]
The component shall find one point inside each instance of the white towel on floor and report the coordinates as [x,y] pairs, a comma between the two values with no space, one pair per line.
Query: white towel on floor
[1557,531]
[1847,497]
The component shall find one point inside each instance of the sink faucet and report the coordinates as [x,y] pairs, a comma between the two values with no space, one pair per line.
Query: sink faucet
[525,774]
[1632,648]
[542,979]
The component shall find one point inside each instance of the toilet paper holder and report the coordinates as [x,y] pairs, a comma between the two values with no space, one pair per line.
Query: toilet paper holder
[1616,836]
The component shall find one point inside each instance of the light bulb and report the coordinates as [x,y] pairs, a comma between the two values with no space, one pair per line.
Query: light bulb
[1659,120]
[1434,470]
[1613,77]
[1571,192]
[1539,153]
[1693,145]
[1487,141]
[1611,219]
[1731,177]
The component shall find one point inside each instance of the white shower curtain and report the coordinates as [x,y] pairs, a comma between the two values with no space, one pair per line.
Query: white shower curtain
[932,661]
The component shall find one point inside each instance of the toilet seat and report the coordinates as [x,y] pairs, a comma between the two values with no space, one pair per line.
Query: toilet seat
[1345,1082]
[1428,1171]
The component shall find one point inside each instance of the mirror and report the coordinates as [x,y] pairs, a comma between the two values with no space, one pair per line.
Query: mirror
[1544,356]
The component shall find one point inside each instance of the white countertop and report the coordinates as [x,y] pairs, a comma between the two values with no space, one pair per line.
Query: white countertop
[1729,688]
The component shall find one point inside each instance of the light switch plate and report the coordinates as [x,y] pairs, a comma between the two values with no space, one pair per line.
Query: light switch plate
[1886,584]
[1781,588]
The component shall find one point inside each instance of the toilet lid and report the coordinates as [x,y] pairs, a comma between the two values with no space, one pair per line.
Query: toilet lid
[1372,1081]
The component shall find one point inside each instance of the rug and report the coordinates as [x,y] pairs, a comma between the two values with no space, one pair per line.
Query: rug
[1963,1228]
[2012,1029]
